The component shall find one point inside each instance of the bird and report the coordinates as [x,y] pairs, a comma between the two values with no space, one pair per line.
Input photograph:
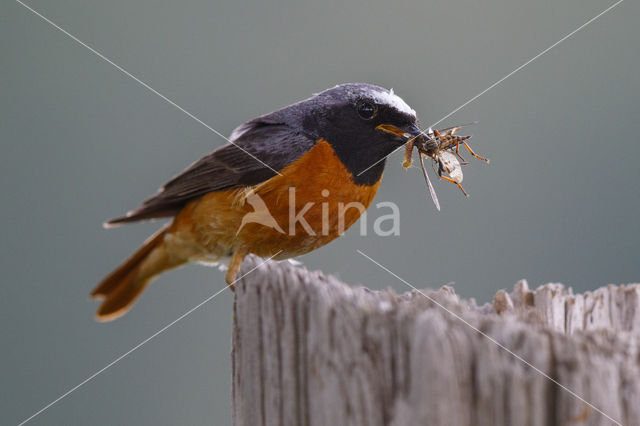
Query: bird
[287,183]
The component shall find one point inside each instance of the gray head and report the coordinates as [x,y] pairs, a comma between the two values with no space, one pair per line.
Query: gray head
[364,123]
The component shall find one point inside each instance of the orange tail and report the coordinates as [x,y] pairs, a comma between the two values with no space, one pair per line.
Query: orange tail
[122,287]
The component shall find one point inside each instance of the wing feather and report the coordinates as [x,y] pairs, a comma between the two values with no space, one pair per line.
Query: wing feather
[230,166]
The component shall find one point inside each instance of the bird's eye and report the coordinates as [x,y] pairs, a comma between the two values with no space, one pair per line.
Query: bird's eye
[367,110]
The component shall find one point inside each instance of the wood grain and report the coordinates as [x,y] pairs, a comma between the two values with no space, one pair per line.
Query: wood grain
[311,350]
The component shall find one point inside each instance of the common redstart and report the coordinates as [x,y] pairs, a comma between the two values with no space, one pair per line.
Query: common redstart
[289,182]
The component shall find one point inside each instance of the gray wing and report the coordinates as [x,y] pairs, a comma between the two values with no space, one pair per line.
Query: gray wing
[259,147]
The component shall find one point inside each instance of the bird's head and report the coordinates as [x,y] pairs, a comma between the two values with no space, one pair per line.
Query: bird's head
[363,123]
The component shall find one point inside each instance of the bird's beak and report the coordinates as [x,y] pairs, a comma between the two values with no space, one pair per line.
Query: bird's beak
[408,132]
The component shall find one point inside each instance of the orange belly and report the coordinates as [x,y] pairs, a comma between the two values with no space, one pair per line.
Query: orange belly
[262,219]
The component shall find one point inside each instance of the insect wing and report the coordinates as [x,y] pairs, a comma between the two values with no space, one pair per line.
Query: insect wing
[457,128]
[451,165]
[432,191]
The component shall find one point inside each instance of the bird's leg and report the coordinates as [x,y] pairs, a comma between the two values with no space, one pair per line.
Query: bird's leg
[234,267]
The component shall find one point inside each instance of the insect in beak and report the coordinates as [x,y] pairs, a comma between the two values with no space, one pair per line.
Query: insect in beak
[442,147]
[412,134]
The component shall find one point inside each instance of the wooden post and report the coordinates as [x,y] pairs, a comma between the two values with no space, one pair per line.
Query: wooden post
[310,350]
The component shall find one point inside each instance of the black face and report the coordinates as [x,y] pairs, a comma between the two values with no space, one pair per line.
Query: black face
[349,118]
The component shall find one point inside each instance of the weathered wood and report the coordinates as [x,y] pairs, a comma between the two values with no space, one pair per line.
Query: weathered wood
[310,350]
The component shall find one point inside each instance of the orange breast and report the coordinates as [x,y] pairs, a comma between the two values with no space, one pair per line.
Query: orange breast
[311,203]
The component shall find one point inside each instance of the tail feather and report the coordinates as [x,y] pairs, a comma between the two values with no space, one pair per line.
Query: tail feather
[122,287]
[115,278]
[121,300]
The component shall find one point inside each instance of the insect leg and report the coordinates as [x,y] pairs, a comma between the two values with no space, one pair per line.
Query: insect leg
[408,154]
[440,167]
[459,186]
[433,167]
[486,160]
[458,153]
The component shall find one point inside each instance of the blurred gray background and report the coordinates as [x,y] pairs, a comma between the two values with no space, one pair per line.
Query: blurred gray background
[82,143]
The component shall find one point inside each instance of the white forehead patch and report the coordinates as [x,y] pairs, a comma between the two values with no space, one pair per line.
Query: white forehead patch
[393,100]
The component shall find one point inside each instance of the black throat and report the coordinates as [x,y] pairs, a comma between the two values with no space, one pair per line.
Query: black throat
[365,165]
[359,146]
